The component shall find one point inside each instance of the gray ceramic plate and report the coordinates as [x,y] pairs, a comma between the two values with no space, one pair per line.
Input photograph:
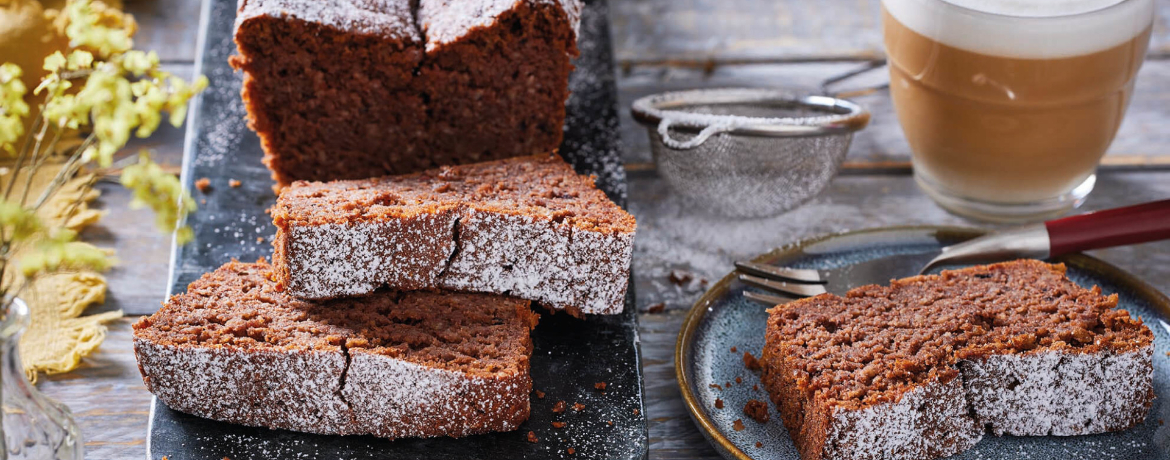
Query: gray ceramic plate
[723,319]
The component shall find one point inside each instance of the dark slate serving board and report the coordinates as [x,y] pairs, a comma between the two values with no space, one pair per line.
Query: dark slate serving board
[569,355]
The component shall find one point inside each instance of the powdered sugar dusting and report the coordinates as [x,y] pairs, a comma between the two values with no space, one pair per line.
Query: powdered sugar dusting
[927,422]
[446,21]
[302,390]
[221,383]
[1059,393]
[527,227]
[385,392]
[335,260]
[390,18]
[1033,394]
[532,258]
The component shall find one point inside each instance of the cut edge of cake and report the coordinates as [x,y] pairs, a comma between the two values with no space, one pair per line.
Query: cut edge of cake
[562,263]
[354,132]
[1055,390]
[332,385]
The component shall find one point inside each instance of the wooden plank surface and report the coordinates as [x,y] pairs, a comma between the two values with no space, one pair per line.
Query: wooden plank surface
[106,393]
[701,32]
[168,27]
[673,237]
[1142,140]
[111,404]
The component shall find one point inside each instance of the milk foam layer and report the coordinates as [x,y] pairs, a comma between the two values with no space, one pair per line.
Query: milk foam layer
[1029,29]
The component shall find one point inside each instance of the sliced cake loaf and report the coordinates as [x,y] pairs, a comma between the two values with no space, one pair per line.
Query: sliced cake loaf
[497,73]
[329,86]
[350,89]
[917,369]
[529,227]
[390,364]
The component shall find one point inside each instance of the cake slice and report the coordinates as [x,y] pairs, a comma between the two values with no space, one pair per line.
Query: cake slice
[350,89]
[497,73]
[329,86]
[391,364]
[918,369]
[529,227]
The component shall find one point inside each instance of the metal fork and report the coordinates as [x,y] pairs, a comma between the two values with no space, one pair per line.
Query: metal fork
[1114,227]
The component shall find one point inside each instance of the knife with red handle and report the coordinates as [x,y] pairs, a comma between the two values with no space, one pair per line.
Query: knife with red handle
[1094,230]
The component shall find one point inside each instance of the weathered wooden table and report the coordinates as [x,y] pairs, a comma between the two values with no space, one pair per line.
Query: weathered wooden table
[661,44]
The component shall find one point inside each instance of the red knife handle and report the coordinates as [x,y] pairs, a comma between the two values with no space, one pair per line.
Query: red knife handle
[1111,227]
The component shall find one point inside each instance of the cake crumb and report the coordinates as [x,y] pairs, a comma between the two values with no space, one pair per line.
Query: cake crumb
[756,387]
[203,201]
[759,444]
[600,386]
[636,412]
[716,386]
[733,349]
[571,451]
[680,277]
[757,410]
[234,183]
[558,424]
[738,380]
[657,308]
[532,437]
[738,425]
[750,361]
[539,394]
[203,184]
[559,407]
[578,406]
[726,384]
[259,239]
[718,403]
[610,422]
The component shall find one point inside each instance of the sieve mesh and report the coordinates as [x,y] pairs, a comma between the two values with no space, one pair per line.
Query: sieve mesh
[748,152]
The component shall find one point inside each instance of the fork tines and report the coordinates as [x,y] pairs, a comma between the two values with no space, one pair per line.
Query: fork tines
[795,282]
[802,275]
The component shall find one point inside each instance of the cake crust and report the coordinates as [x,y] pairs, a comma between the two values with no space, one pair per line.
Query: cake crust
[529,227]
[391,364]
[919,368]
[350,89]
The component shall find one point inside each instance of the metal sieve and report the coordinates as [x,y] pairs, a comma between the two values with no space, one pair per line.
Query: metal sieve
[748,152]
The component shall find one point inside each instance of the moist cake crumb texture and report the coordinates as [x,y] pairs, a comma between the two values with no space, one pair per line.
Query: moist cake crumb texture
[391,364]
[529,227]
[348,89]
[919,368]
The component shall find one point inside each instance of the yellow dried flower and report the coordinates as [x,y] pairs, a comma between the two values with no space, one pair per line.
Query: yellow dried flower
[13,109]
[161,192]
[60,252]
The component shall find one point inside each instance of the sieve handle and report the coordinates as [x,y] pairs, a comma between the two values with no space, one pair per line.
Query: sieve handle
[699,139]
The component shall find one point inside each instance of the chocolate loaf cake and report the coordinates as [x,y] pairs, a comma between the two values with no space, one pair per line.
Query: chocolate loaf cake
[346,89]
[918,369]
[329,86]
[529,227]
[497,74]
[391,364]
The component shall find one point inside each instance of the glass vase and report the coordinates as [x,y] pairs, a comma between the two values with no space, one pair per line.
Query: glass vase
[34,427]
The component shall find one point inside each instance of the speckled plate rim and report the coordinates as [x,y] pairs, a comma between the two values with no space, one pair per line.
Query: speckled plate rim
[698,312]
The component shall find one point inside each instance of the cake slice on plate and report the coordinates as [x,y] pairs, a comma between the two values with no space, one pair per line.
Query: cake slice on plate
[391,364]
[918,369]
[529,227]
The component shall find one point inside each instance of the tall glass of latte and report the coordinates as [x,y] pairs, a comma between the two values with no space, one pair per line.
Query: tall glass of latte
[1009,105]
